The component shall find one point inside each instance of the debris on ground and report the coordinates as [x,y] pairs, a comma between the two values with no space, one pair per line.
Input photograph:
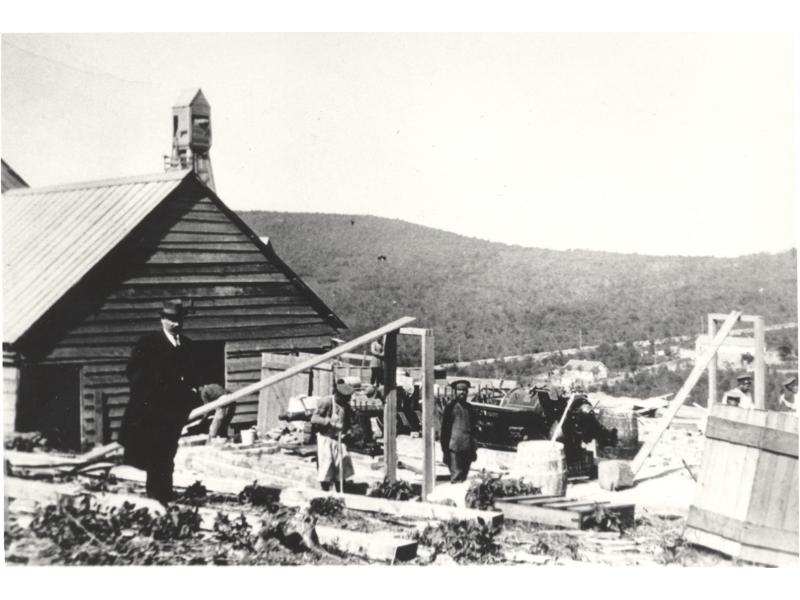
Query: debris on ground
[488,487]
[393,490]
[463,541]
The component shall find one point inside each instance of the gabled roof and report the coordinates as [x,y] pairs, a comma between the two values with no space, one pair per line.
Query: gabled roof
[188,96]
[52,237]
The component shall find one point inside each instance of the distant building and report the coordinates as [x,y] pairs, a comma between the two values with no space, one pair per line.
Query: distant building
[583,372]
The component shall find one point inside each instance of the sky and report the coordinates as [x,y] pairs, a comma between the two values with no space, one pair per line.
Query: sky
[653,143]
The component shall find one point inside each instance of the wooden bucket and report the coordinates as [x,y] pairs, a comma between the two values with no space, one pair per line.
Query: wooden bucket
[542,463]
[625,422]
[746,504]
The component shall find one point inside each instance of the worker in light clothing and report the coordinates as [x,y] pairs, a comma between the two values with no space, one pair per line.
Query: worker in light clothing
[331,422]
[787,399]
[458,433]
[740,395]
[376,363]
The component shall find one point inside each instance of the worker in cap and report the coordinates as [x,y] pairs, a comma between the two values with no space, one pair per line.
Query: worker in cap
[332,421]
[164,386]
[740,395]
[787,398]
[458,435]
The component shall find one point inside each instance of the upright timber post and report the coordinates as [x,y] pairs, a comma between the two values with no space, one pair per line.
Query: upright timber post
[712,366]
[759,347]
[759,370]
[428,426]
[390,408]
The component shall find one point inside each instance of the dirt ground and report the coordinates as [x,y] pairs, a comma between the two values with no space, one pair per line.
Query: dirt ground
[662,498]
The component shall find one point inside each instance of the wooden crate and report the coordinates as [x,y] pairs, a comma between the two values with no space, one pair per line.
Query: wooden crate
[746,505]
[559,511]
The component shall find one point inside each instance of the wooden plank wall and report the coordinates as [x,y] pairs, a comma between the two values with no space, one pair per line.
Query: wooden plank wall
[746,504]
[190,250]
[10,388]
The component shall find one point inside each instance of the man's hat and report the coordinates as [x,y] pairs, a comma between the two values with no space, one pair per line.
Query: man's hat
[790,381]
[173,309]
[458,382]
[744,377]
[345,389]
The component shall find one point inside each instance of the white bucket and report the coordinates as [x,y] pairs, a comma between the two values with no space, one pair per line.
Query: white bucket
[248,437]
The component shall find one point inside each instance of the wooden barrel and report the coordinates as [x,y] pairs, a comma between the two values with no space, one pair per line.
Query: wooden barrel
[746,503]
[542,463]
[624,421]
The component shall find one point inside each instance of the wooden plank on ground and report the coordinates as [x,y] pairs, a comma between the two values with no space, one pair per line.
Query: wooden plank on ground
[419,510]
[376,545]
[539,514]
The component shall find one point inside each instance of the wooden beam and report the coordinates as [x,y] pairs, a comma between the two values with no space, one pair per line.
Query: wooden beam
[539,514]
[428,426]
[398,508]
[390,408]
[759,367]
[375,545]
[712,366]
[418,331]
[680,397]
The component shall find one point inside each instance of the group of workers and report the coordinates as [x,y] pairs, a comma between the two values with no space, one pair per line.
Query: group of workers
[166,386]
[742,397]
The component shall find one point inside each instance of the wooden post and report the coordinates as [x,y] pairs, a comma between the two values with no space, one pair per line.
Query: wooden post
[390,408]
[759,370]
[712,366]
[681,396]
[428,426]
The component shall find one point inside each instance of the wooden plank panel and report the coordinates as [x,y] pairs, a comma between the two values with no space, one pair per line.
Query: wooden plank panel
[273,400]
[258,266]
[200,317]
[778,481]
[166,256]
[752,435]
[742,531]
[197,224]
[215,279]
[790,519]
[208,302]
[206,329]
[163,292]
[538,514]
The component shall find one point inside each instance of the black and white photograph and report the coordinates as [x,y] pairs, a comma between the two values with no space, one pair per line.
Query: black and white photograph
[382,298]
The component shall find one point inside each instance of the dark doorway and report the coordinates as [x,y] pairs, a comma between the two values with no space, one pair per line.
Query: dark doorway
[210,362]
[50,404]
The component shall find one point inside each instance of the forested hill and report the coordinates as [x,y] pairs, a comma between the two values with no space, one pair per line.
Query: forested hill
[492,299]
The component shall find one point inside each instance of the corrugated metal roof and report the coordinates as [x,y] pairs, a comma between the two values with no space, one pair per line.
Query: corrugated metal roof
[52,236]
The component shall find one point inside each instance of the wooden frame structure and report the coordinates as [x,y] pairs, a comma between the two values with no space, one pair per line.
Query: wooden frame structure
[759,368]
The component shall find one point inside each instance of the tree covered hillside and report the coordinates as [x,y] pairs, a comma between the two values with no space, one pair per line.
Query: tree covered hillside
[488,299]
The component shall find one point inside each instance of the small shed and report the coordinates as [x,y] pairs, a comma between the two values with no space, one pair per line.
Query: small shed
[87,267]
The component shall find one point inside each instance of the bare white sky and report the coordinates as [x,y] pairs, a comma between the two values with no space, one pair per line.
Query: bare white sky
[648,143]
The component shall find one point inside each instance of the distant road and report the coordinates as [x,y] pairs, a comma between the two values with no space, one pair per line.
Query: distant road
[571,351]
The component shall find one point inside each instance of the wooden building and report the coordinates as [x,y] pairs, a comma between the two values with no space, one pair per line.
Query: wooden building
[86,270]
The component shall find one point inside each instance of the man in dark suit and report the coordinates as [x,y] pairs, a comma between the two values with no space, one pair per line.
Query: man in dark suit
[163,383]
[458,434]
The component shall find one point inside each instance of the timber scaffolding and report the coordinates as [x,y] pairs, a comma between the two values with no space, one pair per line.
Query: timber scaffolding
[562,511]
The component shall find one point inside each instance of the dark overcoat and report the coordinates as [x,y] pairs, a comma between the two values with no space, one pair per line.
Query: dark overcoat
[459,432]
[162,378]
